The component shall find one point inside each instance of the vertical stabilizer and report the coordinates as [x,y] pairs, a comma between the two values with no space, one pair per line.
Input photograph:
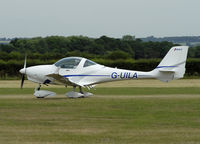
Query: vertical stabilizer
[173,64]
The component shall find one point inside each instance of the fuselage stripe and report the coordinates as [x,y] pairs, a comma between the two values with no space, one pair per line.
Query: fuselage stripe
[86,75]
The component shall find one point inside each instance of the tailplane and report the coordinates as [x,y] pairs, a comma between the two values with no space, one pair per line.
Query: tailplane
[173,64]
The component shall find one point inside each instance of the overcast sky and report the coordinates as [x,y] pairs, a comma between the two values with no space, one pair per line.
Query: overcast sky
[94,18]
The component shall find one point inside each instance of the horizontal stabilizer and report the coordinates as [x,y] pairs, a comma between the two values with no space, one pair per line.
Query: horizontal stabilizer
[166,70]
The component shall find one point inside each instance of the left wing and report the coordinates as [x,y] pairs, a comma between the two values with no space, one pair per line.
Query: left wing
[64,80]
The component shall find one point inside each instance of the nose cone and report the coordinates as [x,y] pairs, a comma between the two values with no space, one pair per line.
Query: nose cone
[22,71]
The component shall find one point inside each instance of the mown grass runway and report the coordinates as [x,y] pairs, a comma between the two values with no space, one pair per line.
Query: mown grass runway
[115,115]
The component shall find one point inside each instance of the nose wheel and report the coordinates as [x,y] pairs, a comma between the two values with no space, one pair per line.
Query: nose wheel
[43,93]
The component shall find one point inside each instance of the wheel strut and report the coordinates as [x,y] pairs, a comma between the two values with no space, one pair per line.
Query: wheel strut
[38,88]
[80,90]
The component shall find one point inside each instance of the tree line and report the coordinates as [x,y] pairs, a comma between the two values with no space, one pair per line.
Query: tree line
[106,47]
[58,46]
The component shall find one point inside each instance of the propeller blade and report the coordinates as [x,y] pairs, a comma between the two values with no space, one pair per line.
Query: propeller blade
[25,63]
[22,81]
[23,75]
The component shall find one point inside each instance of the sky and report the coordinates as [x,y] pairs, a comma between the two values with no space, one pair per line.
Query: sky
[94,18]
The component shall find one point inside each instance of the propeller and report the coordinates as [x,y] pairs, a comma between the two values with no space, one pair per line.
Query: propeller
[22,81]
[23,72]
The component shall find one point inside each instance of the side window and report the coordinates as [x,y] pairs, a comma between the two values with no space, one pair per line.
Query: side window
[88,63]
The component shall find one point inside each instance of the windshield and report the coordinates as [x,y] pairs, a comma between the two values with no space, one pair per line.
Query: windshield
[69,63]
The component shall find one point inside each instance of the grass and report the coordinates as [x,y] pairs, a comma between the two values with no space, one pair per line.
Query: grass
[115,115]
[110,91]
[100,120]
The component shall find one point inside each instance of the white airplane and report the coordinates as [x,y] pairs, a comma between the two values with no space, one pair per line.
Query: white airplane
[81,72]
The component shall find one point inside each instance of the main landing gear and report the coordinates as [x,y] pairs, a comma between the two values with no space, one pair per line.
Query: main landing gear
[80,94]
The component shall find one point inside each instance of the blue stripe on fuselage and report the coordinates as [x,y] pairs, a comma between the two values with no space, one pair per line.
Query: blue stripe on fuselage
[86,75]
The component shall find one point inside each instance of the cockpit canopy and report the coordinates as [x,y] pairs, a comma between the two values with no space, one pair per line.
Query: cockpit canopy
[73,62]
[70,63]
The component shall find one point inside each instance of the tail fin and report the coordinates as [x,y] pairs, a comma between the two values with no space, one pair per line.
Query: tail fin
[173,64]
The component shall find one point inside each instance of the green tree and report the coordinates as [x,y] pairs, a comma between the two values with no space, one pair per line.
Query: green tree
[118,55]
[128,38]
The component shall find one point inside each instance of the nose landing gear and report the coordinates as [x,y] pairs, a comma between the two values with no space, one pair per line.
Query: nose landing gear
[43,93]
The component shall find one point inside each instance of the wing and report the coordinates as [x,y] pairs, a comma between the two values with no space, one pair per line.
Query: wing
[63,80]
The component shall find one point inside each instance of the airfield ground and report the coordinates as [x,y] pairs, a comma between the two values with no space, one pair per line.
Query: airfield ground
[140,112]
